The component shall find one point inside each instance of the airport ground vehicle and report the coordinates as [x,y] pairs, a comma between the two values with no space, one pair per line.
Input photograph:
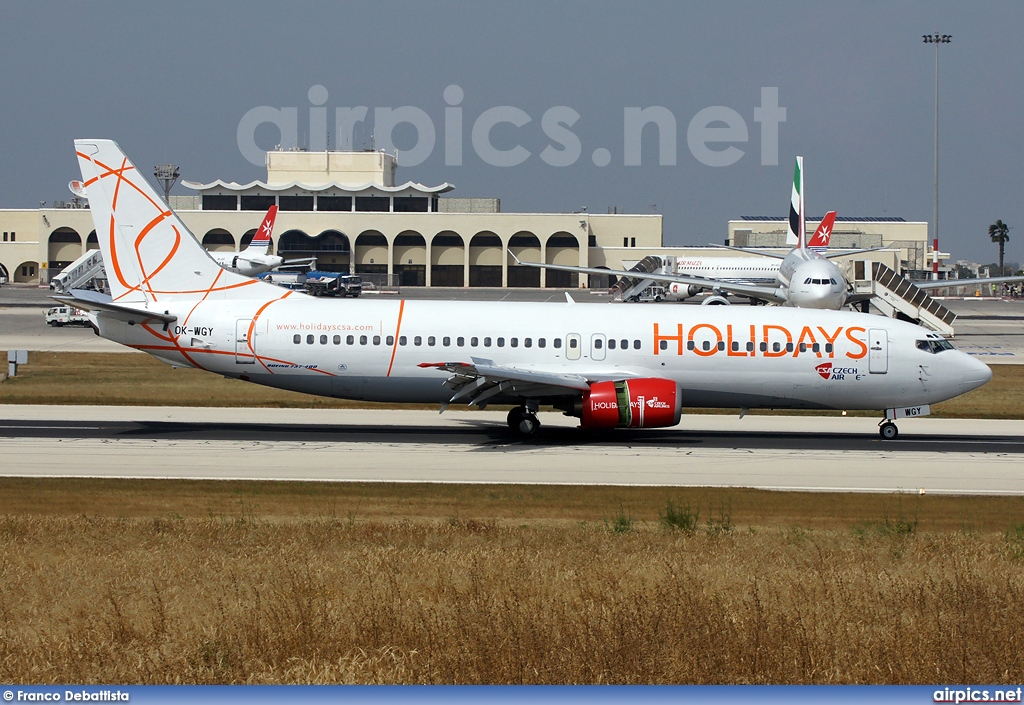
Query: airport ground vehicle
[59,316]
[338,285]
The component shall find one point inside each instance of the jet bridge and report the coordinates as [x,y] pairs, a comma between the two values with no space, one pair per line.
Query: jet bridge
[896,297]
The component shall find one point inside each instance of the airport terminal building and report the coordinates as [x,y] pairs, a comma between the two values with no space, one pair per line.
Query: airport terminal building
[345,209]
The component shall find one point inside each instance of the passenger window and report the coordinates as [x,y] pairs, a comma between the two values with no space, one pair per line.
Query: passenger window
[295,338]
[376,340]
[735,346]
[501,342]
[417,340]
[707,345]
[402,340]
[776,347]
[611,343]
[350,340]
[557,343]
[815,347]
[431,340]
[337,340]
[663,344]
[362,340]
[573,343]
[542,343]
[636,344]
[721,345]
[309,340]
[514,342]
[446,341]
[461,342]
[597,344]
[763,347]
[689,344]
[487,342]
[750,346]
[527,342]
[624,344]
[474,342]
[789,347]
[323,340]
[390,340]
[803,347]
[828,347]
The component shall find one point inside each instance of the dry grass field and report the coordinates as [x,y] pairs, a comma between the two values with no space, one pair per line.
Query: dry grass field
[140,380]
[191,582]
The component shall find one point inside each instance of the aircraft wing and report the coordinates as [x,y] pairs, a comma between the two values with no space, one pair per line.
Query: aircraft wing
[767,293]
[978,281]
[481,379]
[763,253]
[846,253]
[305,263]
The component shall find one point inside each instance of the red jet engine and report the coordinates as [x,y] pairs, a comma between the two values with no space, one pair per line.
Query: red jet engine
[635,403]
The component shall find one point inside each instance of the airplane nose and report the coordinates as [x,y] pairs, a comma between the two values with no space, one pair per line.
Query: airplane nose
[975,374]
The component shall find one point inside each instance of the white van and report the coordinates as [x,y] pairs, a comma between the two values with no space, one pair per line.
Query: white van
[67,316]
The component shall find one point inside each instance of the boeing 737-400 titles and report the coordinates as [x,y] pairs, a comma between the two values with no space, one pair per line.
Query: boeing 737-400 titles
[611,366]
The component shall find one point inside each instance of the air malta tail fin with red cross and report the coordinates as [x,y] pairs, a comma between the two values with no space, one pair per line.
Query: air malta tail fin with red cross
[819,241]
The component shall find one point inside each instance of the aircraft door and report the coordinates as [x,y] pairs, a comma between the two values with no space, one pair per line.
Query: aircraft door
[244,350]
[572,346]
[878,351]
[597,346]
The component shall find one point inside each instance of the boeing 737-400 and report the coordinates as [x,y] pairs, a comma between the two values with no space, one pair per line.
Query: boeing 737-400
[611,366]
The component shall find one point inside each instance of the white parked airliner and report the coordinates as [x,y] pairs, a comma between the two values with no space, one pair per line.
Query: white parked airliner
[612,366]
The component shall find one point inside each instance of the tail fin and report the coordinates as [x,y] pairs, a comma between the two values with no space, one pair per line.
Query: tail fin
[796,236]
[819,241]
[150,255]
[261,240]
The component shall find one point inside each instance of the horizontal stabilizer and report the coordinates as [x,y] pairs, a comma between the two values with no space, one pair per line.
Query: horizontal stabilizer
[129,314]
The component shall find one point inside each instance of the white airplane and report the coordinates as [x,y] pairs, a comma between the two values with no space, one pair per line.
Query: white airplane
[253,259]
[611,366]
[802,278]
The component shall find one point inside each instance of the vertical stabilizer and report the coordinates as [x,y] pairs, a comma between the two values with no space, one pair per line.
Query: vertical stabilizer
[796,236]
[150,255]
[261,240]
[819,241]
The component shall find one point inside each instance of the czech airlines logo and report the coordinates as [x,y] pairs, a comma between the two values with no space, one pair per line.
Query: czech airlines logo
[656,403]
[830,372]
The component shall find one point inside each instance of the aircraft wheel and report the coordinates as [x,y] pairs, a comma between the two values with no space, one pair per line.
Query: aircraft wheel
[522,422]
[888,431]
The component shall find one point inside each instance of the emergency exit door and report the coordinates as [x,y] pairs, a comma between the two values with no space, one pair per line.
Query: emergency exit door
[878,351]
[244,351]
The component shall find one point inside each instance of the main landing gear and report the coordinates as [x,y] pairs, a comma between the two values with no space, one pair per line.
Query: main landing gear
[523,421]
[887,430]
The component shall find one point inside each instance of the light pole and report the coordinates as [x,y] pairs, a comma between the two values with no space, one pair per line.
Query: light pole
[936,39]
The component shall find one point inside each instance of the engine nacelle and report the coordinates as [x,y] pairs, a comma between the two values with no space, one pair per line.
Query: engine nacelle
[636,403]
[682,291]
[715,300]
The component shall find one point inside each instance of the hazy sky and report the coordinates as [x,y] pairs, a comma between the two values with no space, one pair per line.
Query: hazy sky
[172,84]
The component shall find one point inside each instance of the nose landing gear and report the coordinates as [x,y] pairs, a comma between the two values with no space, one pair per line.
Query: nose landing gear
[887,430]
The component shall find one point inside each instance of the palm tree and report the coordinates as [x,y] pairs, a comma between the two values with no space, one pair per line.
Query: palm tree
[999,232]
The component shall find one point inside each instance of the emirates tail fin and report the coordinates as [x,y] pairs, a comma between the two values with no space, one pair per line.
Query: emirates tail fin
[796,236]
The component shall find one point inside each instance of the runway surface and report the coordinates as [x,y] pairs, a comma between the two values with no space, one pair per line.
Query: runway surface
[792,453]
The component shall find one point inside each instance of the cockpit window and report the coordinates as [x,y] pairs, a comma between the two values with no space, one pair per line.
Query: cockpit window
[934,346]
[807,280]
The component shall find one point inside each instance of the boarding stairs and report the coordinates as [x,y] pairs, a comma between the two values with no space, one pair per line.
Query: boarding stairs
[896,297]
[634,288]
[86,272]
